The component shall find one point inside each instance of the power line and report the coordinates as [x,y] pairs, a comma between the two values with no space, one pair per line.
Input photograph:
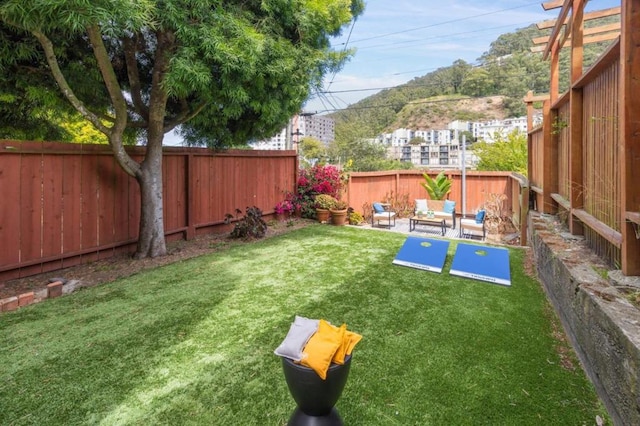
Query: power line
[446,22]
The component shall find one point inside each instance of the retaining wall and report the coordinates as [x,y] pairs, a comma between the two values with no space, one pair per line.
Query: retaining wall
[603,326]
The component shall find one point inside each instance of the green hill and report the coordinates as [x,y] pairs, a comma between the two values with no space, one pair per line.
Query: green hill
[492,89]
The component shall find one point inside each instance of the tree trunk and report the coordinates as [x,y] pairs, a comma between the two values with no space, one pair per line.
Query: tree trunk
[151,242]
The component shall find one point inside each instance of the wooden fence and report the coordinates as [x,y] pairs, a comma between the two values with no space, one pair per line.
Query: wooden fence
[585,164]
[403,187]
[65,204]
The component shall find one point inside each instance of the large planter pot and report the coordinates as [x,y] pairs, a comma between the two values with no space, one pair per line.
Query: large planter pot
[316,398]
[323,215]
[339,217]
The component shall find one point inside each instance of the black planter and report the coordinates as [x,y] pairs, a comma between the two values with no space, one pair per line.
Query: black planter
[315,397]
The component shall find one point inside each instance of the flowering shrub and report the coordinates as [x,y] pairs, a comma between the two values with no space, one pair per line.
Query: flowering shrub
[285,207]
[314,181]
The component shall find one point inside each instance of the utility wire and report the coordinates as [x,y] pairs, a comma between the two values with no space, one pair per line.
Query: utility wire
[446,22]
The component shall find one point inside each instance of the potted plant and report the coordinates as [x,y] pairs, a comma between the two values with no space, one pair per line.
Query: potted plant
[284,209]
[339,212]
[324,203]
[437,188]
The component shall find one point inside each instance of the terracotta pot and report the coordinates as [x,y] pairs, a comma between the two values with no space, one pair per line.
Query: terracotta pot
[339,217]
[323,215]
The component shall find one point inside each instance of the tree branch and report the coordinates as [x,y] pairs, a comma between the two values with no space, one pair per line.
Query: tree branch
[129,45]
[117,99]
[184,116]
[52,60]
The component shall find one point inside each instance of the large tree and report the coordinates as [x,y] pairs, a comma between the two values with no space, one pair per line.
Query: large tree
[227,71]
[506,153]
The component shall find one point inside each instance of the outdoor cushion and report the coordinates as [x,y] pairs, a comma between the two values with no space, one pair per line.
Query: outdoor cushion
[449,206]
[480,216]
[320,349]
[299,334]
[421,205]
[378,208]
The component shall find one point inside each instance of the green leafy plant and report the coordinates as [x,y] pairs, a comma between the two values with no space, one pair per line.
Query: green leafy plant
[355,218]
[340,205]
[251,225]
[325,201]
[437,188]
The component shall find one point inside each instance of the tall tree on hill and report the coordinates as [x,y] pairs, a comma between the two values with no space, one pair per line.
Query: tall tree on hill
[227,71]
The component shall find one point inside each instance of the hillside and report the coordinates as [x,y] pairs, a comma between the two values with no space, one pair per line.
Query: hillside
[491,89]
[437,112]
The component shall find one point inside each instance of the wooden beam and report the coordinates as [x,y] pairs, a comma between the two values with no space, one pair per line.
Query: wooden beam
[562,202]
[576,161]
[629,128]
[587,17]
[549,159]
[554,4]
[587,40]
[535,98]
[609,234]
[587,32]
[555,32]
[601,37]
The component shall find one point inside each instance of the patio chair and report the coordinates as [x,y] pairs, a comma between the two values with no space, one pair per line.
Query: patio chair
[474,227]
[382,212]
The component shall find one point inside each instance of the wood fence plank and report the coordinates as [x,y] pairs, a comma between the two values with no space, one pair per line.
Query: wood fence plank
[52,207]
[105,175]
[72,207]
[10,212]
[31,207]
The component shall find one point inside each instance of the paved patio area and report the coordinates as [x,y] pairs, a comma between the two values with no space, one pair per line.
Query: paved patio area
[402,225]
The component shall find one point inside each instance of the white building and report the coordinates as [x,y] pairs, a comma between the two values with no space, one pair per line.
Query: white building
[300,126]
[442,148]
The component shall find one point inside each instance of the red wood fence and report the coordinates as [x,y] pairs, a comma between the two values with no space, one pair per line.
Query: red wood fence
[585,164]
[65,204]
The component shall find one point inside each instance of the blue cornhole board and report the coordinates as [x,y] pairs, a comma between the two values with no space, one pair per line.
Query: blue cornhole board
[422,253]
[482,263]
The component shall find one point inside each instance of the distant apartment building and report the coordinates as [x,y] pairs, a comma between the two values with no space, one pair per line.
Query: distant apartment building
[300,126]
[487,131]
[443,148]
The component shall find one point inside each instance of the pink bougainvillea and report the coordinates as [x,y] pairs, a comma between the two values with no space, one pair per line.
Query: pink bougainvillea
[319,179]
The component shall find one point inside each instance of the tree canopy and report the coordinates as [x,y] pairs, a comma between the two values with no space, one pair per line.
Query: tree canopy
[226,72]
[505,154]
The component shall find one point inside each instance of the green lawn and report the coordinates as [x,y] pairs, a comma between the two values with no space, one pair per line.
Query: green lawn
[192,343]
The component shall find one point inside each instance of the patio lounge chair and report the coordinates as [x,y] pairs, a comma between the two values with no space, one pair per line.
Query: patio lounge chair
[474,227]
[382,212]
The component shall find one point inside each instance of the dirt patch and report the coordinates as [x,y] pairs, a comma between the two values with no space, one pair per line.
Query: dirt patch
[121,266]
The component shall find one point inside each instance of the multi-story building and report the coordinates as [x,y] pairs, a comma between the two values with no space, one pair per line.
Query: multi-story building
[443,148]
[300,126]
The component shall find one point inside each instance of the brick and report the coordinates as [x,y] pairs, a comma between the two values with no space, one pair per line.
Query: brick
[26,298]
[9,304]
[54,289]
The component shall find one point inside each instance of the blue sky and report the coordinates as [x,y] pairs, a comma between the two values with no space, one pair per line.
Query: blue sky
[398,40]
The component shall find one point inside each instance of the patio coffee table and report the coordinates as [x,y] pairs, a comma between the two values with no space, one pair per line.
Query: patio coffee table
[429,221]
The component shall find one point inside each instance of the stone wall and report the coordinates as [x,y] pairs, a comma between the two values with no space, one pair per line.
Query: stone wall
[603,326]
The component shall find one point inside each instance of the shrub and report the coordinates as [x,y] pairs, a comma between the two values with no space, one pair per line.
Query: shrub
[251,225]
[312,182]
[325,201]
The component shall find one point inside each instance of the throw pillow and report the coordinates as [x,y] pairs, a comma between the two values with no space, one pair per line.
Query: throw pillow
[378,208]
[449,206]
[480,216]
[321,348]
[421,205]
[299,334]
